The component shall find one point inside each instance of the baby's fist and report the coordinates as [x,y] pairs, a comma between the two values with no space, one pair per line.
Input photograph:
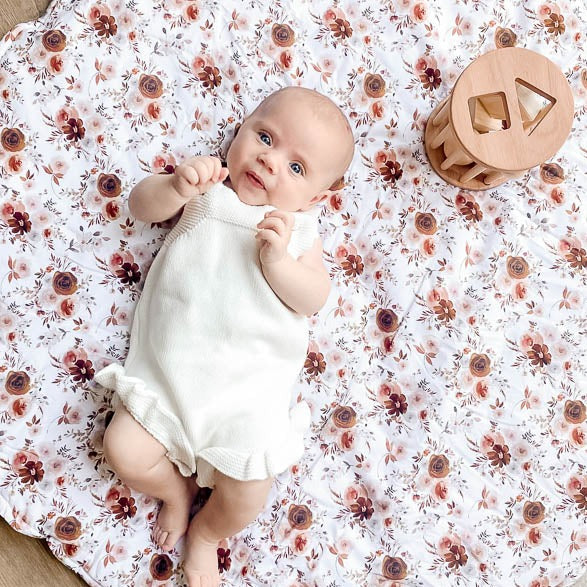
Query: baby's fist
[197,175]
[274,235]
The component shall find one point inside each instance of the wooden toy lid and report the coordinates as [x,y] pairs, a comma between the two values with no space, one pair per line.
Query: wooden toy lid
[496,72]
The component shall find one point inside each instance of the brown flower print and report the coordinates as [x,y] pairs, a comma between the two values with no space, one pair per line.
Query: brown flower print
[161,567]
[391,171]
[577,258]
[353,265]
[438,467]
[362,508]
[344,417]
[54,41]
[517,267]
[315,364]
[17,383]
[499,455]
[109,185]
[555,24]
[444,311]
[282,35]
[82,371]
[74,129]
[574,411]
[539,355]
[31,472]
[150,86]
[425,223]
[20,223]
[299,517]
[68,529]
[106,26]
[12,140]
[125,508]
[386,320]
[224,560]
[504,38]
[64,284]
[129,273]
[394,568]
[471,211]
[456,556]
[533,512]
[479,365]
[374,85]
[396,404]
[210,77]
[341,28]
[551,173]
[431,78]
[581,499]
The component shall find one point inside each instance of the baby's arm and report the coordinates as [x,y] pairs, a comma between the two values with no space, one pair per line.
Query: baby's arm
[159,197]
[302,284]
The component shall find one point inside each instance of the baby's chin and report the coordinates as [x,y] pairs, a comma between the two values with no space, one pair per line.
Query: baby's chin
[247,196]
[252,199]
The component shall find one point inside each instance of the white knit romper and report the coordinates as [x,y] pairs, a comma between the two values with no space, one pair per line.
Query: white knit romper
[214,352]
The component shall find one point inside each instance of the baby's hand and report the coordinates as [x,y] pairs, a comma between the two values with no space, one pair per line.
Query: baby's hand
[197,175]
[274,235]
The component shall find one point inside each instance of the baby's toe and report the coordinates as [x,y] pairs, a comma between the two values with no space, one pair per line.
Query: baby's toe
[195,579]
[163,541]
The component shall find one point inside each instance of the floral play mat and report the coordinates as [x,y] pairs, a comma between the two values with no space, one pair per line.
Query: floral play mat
[446,374]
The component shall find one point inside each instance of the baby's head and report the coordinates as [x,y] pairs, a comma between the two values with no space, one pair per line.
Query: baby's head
[291,152]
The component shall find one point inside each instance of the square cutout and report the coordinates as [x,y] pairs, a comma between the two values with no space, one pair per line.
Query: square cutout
[489,113]
[534,105]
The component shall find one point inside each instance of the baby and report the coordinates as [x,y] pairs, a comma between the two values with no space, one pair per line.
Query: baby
[220,333]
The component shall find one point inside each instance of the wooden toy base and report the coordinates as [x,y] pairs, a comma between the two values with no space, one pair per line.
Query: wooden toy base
[453,173]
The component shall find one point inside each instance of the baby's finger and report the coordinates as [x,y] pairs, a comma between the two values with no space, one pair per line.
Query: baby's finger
[203,171]
[268,235]
[189,174]
[273,223]
[217,169]
[287,217]
[210,164]
[223,174]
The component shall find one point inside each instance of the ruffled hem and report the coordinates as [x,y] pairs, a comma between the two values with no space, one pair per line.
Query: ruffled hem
[144,405]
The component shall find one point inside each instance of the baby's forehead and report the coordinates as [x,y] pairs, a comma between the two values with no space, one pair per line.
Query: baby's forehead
[295,111]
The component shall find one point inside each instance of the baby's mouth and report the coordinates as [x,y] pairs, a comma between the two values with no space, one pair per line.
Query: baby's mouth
[255,180]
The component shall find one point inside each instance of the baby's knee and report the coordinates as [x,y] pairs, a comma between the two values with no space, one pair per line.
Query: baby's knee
[126,448]
[113,445]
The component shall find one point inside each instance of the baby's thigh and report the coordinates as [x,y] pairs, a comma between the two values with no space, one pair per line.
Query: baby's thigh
[243,494]
[128,446]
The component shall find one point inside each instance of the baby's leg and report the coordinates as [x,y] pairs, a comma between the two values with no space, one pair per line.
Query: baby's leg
[140,461]
[232,506]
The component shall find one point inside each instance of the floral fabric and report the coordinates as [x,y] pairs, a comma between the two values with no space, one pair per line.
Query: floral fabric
[446,373]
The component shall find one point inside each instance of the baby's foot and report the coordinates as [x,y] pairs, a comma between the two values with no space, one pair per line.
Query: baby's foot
[173,518]
[201,559]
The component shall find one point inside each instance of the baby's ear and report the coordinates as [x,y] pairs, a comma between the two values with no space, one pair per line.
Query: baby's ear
[338,185]
[237,128]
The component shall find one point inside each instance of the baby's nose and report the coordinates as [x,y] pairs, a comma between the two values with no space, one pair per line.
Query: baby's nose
[267,162]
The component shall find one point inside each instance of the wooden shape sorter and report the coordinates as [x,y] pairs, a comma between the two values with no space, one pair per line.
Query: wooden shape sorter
[510,110]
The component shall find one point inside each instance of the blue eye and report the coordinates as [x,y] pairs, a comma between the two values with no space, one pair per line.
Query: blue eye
[296,168]
[264,134]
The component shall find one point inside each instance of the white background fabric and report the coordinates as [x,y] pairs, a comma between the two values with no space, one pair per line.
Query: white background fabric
[455,327]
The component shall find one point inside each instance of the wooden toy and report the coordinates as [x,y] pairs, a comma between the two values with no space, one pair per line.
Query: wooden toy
[510,110]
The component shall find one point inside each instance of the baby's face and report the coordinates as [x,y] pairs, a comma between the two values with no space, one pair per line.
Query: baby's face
[285,156]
